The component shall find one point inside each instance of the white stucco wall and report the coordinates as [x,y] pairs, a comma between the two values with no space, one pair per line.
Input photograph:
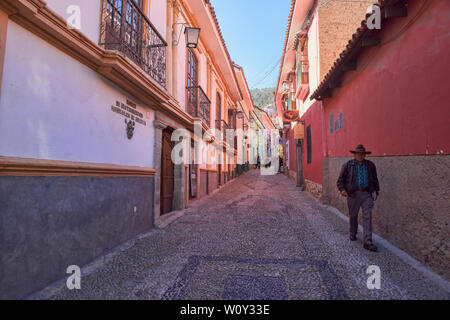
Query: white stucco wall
[181,64]
[202,72]
[90,14]
[213,104]
[53,107]
[158,16]
[313,58]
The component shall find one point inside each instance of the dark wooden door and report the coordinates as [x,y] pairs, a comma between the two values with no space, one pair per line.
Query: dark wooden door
[167,174]
[300,169]
[193,172]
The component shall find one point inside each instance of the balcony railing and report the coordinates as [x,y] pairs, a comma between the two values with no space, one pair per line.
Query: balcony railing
[223,127]
[198,104]
[126,28]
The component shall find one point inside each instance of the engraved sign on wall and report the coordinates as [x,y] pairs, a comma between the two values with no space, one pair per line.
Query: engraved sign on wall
[129,111]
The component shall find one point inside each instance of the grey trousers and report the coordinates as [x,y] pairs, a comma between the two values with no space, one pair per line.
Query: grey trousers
[355,201]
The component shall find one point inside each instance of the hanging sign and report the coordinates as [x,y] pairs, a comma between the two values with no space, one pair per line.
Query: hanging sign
[299,131]
[290,115]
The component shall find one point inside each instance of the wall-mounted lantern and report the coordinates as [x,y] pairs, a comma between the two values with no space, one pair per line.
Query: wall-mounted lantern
[240,115]
[192,35]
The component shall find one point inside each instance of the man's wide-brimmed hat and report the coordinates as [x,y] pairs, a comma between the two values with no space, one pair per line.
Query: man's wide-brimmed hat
[360,149]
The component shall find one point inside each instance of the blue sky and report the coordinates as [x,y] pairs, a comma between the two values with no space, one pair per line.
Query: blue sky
[254,33]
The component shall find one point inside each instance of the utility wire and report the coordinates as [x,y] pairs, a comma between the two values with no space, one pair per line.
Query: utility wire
[267,74]
[265,69]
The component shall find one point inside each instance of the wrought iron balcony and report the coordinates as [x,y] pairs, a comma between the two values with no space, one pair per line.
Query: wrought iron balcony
[223,127]
[198,104]
[126,28]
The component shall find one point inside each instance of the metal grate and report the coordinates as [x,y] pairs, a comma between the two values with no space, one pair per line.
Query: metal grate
[126,28]
[198,104]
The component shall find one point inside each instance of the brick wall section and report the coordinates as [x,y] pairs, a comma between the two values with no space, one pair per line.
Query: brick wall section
[338,20]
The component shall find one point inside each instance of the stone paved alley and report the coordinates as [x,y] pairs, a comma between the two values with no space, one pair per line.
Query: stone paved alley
[256,238]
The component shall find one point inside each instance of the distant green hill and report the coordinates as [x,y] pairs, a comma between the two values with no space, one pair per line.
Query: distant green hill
[262,97]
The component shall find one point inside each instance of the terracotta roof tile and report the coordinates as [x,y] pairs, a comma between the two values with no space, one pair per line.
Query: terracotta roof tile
[344,55]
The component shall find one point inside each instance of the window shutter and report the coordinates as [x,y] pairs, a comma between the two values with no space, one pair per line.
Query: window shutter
[331,124]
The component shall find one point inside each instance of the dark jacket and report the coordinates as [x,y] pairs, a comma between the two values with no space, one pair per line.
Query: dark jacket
[347,177]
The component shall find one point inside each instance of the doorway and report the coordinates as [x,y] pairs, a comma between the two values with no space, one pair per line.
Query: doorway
[300,170]
[167,172]
[193,167]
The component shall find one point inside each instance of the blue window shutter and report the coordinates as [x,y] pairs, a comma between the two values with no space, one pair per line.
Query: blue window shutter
[331,124]
[341,120]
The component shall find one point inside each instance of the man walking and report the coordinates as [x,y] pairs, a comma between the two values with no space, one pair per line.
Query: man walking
[358,182]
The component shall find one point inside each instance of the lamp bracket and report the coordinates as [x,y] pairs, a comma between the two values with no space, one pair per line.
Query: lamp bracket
[185,24]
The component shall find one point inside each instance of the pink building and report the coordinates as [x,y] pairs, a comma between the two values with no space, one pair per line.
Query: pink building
[316,33]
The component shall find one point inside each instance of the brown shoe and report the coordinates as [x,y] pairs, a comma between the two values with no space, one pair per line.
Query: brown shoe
[370,247]
[352,238]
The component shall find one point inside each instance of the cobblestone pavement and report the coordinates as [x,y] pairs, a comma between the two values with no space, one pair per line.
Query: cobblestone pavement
[258,237]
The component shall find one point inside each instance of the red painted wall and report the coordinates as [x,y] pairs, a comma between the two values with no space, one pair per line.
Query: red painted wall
[292,152]
[397,102]
[313,117]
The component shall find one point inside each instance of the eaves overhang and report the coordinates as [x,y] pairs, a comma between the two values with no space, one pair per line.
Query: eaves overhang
[300,11]
[210,30]
[362,38]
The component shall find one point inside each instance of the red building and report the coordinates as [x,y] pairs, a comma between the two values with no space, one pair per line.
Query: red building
[316,33]
[389,90]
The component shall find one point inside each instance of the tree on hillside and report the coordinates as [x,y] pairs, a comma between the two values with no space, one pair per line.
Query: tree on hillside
[262,97]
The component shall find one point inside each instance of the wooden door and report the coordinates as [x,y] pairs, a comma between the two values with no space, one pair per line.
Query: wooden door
[167,174]
[193,181]
[300,169]
[193,172]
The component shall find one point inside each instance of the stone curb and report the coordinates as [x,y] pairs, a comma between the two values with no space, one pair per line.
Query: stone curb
[405,257]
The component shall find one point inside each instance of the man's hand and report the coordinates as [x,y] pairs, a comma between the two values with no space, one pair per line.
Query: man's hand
[344,193]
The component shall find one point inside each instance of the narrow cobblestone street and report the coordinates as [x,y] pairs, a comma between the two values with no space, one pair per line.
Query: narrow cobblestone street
[258,237]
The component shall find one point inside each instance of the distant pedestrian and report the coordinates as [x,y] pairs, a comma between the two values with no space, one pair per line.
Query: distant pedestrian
[258,162]
[358,182]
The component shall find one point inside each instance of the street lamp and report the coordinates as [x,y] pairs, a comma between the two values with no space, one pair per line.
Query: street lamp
[191,34]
